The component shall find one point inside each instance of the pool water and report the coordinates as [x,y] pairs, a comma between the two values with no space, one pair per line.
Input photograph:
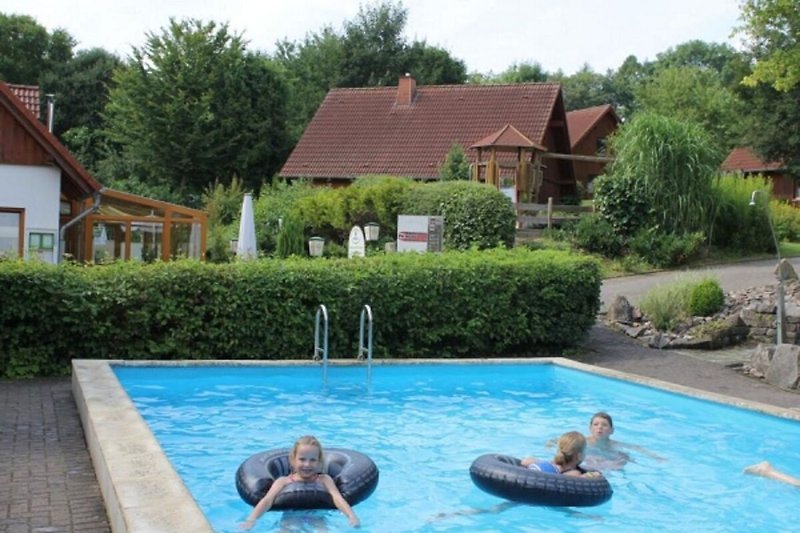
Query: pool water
[423,425]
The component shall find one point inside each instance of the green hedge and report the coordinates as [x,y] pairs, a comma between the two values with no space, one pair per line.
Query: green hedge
[460,304]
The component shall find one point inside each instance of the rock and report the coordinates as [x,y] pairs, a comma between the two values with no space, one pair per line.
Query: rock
[761,358]
[620,310]
[784,271]
[784,370]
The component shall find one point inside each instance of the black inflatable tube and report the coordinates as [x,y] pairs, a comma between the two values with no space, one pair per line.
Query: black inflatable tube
[505,477]
[354,473]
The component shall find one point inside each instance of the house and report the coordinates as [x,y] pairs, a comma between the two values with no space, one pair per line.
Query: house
[589,130]
[745,161]
[50,205]
[408,130]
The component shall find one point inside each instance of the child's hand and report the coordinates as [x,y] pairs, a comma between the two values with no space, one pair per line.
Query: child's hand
[593,473]
[247,524]
[354,521]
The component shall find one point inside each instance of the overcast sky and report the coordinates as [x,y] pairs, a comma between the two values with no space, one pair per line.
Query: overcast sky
[488,35]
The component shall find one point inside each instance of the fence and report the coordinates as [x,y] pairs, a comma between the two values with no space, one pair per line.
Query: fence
[549,214]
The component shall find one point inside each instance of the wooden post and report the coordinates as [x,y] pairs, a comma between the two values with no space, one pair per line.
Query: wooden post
[549,212]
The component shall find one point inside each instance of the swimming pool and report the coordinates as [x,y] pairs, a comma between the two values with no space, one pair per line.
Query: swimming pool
[424,424]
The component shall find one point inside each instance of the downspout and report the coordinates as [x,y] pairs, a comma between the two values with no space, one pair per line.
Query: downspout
[62,232]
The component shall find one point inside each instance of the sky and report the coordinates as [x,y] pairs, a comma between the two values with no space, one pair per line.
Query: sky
[488,35]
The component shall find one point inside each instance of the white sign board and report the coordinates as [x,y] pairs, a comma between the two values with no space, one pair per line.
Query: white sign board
[356,243]
[419,233]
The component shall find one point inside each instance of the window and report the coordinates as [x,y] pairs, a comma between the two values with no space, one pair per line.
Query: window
[41,245]
[602,146]
[11,223]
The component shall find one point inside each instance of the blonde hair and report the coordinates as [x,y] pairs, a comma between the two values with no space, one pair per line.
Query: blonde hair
[305,440]
[571,445]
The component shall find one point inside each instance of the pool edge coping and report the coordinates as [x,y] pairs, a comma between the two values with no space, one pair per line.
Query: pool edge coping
[143,492]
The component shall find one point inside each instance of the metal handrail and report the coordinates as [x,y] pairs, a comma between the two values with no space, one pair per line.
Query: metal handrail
[365,349]
[321,352]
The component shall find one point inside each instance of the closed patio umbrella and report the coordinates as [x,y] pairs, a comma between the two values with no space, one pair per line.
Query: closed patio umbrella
[246,247]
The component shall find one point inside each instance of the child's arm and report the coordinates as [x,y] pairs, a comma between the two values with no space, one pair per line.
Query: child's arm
[266,502]
[339,500]
[641,449]
[528,461]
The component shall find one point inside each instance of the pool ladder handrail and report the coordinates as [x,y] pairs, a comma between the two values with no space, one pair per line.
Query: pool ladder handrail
[321,352]
[365,350]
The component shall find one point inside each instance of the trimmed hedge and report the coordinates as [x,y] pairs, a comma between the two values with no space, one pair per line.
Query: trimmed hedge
[459,304]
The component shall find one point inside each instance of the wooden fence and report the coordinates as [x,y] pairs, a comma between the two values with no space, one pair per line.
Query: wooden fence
[549,214]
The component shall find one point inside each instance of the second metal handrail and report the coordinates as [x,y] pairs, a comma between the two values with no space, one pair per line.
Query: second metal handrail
[365,350]
[321,352]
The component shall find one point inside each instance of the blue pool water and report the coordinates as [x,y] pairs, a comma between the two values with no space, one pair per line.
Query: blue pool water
[424,424]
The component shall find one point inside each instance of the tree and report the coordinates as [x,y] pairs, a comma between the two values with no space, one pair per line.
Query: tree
[28,51]
[522,73]
[694,94]
[455,166]
[193,106]
[374,46]
[312,67]
[723,59]
[81,87]
[585,88]
[433,66]
[772,33]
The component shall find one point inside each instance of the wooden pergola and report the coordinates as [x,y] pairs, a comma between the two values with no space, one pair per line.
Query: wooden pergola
[527,168]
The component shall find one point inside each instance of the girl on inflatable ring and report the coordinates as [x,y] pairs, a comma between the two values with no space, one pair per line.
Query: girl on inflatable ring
[306,460]
[571,451]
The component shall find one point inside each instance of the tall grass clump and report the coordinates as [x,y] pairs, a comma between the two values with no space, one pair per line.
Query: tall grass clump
[668,305]
[738,225]
[666,169]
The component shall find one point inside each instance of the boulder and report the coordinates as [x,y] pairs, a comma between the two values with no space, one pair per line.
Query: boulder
[620,310]
[784,370]
[760,359]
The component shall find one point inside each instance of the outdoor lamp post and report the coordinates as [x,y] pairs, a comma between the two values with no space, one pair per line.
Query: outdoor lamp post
[371,230]
[315,246]
[779,292]
[234,245]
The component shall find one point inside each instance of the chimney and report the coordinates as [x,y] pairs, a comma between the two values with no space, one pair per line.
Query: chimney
[406,90]
[51,104]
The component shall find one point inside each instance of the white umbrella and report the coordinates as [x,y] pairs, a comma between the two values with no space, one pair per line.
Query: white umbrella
[246,247]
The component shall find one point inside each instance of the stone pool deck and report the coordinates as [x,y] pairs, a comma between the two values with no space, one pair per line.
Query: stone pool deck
[48,484]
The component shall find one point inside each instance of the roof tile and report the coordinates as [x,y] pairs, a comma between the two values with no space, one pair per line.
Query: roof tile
[364,130]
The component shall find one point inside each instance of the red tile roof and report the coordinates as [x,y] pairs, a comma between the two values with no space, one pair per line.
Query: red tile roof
[78,178]
[365,131]
[743,159]
[581,121]
[508,137]
[29,94]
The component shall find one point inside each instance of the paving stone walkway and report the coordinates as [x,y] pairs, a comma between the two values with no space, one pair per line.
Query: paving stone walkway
[47,482]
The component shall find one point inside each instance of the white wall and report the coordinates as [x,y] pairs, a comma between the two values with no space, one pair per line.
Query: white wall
[37,190]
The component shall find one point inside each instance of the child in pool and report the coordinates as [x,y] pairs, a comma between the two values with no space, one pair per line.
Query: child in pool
[765,469]
[305,459]
[571,451]
[603,453]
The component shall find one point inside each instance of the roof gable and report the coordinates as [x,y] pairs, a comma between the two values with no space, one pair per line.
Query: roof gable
[365,131]
[507,137]
[75,178]
[581,121]
[743,159]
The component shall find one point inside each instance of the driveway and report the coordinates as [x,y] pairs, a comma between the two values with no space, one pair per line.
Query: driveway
[732,277]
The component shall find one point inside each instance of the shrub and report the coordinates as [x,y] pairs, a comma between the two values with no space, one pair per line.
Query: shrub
[291,238]
[786,219]
[705,298]
[426,305]
[668,305]
[665,249]
[376,199]
[475,214]
[596,235]
[274,203]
